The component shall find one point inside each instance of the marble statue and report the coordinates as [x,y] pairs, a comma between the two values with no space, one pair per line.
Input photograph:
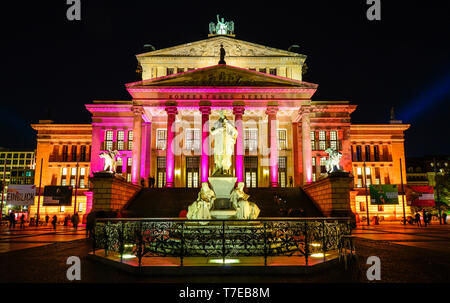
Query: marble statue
[225,135]
[222,27]
[245,209]
[332,163]
[200,209]
[110,161]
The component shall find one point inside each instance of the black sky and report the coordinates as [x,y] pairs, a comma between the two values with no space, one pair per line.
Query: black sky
[52,66]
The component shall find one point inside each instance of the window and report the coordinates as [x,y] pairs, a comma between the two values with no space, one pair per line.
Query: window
[80,206]
[180,70]
[322,140]
[323,168]
[282,171]
[376,153]
[333,140]
[250,139]
[129,161]
[314,169]
[367,150]
[282,139]
[130,140]
[64,176]
[368,178]
[262,70]
[273,71]
[62,209]
[169,71]
[380,207]
[120,139]
[252,69]
[64,153]
[362,206]
[119,163]
[359,179]
[108,140]
[313,140]
[377,179]
[358,153]
[193,139]
[161,138]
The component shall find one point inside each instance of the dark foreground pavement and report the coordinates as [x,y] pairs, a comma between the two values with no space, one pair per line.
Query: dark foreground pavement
[399,263]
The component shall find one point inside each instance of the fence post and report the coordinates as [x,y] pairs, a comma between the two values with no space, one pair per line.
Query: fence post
[94,239]
[182,243]
[106,240]
[223,242]
[140,244]
[324,242]
[121,241]
[265,244]
[306,243]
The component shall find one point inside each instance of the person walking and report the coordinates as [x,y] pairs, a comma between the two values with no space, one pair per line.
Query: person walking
[54,220]
[22,221]
[444,218]
[425,218]
[429,217]
[417,218]
[90,224]
[75,220]
[66,220]
[12,220]
[291,181]
[47,218]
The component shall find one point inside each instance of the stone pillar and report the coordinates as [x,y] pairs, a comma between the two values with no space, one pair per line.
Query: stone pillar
[136,152]
[206,111]
[306,145]
[346,161]
[238,112]
[170,156]
[89,196]
[95,149]
[272,132]
[296,154]
[146,150]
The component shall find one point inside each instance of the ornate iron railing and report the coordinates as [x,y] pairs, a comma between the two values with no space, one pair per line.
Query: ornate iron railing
[220,238]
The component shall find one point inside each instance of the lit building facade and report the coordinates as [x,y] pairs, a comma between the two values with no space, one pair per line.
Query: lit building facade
[163,131]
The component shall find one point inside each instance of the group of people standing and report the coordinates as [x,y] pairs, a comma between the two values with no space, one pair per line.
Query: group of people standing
[74,219]
[426,217]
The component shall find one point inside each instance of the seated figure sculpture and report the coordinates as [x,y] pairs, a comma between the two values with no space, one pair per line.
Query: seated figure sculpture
[245,209]
[200,209]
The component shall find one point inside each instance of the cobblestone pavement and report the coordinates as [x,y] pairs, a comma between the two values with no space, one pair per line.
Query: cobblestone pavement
[404,258]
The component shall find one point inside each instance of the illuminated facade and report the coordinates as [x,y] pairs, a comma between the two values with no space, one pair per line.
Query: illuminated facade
[163,131]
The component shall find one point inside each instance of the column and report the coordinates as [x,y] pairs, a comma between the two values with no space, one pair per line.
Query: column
[136,152]
[89,196]
[238,112]
[306,145]
[146,150]
[170,156]
[296,154]
[206,111]
[95,149]
[272,132]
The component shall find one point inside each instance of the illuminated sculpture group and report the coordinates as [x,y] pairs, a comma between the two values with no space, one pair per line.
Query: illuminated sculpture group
[110,161]
[332,163]
[222,27]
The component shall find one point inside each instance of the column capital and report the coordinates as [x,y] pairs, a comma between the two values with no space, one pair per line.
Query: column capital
[272,110]
[137,110]
[205,109]
[171,109]
[238,110]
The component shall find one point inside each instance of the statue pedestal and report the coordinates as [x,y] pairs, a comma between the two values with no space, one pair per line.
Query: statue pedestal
[222,186]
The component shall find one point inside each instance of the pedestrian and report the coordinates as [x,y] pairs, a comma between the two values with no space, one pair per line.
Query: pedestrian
[142,182]
[417,217]
[47,218]
[425,218]
[90,224]
[291,181]
[66,220]
[152,181]
[444,218]
[54,220]
[22,221]
[12,220]
[75,220]
[31,222]
[429,216]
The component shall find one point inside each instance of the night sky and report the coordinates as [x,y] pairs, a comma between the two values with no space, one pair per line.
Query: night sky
[51,67]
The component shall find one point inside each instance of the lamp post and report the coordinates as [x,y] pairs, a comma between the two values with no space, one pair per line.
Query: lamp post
[3,192]
[437,189]
[39,194]
[403,192]
[76,187]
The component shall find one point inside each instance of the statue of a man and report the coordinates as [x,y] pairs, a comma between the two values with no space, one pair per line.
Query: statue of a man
[245,209]
[221,27]
[225,135]
[200,209]
[222,55]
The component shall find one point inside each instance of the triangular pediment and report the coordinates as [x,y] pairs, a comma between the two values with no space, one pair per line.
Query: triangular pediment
[222,75]
[211,48]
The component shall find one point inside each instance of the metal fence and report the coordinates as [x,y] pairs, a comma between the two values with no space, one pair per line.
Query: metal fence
[222,239]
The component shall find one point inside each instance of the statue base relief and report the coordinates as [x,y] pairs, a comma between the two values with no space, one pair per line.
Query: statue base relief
[222,186]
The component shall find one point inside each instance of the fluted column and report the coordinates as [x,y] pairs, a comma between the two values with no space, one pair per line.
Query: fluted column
[272,131]
[136,151]
[238,112]
[95,149]
[170,155]
[206,111]
[306,145]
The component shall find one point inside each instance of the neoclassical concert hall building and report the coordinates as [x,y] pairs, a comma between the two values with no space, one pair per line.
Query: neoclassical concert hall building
[162,131]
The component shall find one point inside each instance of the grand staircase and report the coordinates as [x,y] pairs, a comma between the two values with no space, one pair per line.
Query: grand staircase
[168,202]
